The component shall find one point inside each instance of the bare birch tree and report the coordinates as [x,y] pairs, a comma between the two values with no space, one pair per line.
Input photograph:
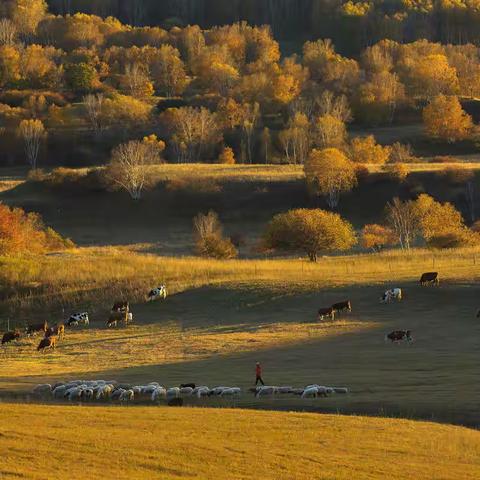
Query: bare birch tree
[93,106]
[32,133]
[8,32]
[128,168]
[402,218]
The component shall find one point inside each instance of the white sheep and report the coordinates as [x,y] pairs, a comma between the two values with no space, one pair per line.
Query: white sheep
[201,391]
[59,392]
[310,392]
[117,394]
[266,390]
[186,391]
[230,392]
[173,393]
[158,393]
[127,396]
[42,389]
[75,394]
[217,390]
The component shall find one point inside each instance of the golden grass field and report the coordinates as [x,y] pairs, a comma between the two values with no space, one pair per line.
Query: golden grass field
[272,173]
[222,316]
[91,278]
[174,444]
[219,319]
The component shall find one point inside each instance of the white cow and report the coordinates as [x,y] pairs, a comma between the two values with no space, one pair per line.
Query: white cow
[392,294]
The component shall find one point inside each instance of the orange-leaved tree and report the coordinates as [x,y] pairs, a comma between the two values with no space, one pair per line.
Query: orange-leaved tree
[445,119]
[25,233]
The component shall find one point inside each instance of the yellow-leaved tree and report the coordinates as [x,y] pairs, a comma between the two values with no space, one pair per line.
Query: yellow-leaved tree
[445,119]
[309,231]
[329,173]
[365,150]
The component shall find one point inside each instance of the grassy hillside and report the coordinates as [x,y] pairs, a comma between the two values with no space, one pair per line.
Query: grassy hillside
[90,278]
[206,444]
[236,313]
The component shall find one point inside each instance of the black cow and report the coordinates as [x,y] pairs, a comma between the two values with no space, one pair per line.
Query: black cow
[326,312]
[39,327]
[10,336]
[121,306]
[429,278]
[399,335]
[342,306]
[478,314]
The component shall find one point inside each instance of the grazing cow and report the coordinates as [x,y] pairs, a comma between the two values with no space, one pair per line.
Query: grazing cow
[159,292]
[429,278]
[326,312]
[122,306]
[39,327]
[115,317]
[10,336]
[342,306]
[399,336]
[47,343]
[58,331]
[77,319]
[478,314]
[392,294]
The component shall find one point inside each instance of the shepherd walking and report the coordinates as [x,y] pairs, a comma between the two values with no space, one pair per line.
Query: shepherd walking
[258,374]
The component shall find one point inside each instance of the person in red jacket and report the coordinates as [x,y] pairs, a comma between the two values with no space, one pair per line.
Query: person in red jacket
[258,374]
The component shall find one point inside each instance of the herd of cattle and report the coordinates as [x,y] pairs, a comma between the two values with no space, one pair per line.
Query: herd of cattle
[112,391]
[390,295]
[120,313]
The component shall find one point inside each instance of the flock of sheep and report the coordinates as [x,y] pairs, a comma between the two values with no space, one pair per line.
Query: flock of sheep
[153,392]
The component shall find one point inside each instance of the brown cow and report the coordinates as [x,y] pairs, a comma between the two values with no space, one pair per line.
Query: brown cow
[10,336]
[47,343]
[57,331]
[38,327]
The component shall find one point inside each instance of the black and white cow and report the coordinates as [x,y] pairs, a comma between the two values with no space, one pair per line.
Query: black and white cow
[392,294]
[77,319]
[159,292]
[399,336]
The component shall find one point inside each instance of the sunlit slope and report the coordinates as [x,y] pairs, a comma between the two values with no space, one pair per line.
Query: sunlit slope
[44,442]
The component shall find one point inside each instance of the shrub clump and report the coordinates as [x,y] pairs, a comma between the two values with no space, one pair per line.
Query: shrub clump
[209,239]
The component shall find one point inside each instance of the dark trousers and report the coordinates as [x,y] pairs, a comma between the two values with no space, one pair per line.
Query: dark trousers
[259,379]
